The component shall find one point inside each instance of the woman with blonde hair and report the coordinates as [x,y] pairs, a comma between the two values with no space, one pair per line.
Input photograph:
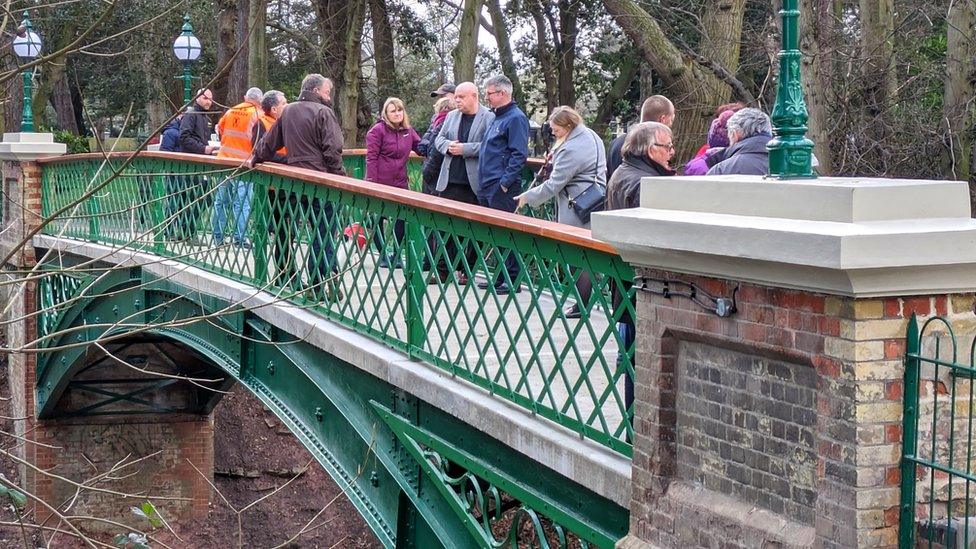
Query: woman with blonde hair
[388,146]
[578,162]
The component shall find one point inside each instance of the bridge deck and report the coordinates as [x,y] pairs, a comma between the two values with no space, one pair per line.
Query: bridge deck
[468,324]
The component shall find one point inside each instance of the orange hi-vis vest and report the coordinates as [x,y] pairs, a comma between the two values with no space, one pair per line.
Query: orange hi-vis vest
[235,129]
[267,121]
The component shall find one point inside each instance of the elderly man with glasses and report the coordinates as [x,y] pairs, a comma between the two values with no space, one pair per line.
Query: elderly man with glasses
[749,132]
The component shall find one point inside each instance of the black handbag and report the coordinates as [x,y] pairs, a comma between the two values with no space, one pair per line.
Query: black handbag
[591,199]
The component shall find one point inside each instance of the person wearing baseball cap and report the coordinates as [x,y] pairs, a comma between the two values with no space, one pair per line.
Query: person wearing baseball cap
[446,90]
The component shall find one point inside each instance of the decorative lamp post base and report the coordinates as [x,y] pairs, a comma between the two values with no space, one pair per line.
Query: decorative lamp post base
[27,146]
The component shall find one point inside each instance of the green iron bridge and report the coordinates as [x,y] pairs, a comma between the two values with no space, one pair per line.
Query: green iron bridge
[450,415]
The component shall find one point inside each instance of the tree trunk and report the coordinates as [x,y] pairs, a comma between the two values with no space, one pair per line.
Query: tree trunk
[566,55]
[877,51]
[351,72]
[237,83]
[816,22]
[629,70]
[466,49]
[44,88]
[257,45]
[960,92]
[544,53]
[694,90]
[332,17]
[878,78]
[65,107]
[226,44]
[503,40]
[386,79]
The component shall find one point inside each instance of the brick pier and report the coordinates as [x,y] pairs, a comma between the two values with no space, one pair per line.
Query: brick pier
[781,425]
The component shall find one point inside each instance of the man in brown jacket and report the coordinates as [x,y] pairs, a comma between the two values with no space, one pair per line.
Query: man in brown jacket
[309,130]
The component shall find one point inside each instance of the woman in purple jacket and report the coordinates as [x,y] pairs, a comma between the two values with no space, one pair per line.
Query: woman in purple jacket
[388,147]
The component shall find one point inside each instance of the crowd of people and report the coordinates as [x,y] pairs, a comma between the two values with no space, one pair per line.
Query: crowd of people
[473,153]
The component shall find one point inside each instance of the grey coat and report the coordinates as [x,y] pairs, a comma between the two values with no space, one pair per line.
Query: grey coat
[449,133]
[578,163]
[747,157]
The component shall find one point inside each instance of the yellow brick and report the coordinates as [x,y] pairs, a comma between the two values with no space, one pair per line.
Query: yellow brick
[868,350]
[870,477]
[839,306]
[878,498]
[879,370]
[869,391]
[878,412]
[868,308]
[873,518]
[840,348]
[848,329]
[962,303]
[880,329]
[870,434]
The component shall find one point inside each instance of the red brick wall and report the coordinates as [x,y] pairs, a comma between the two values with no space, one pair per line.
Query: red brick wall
[856,348]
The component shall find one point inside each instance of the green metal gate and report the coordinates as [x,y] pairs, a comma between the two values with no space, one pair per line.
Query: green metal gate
[937,466]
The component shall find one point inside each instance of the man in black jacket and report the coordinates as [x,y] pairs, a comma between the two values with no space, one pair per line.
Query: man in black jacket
[646,152]
[309,130]
[192,199]
[656,108]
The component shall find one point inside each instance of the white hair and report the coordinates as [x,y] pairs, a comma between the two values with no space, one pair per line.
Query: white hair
[254,94]
[749,122]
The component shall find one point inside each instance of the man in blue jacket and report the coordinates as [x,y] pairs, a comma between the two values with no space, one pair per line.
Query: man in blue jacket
[504,150]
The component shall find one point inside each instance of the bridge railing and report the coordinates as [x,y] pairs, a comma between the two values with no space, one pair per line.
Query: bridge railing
[399,266]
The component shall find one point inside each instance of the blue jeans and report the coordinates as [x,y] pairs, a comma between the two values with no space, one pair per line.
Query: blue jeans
[234,197]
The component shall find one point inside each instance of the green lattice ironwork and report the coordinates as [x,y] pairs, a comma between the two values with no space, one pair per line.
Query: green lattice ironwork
[938,469]
[387,265]
[413,471]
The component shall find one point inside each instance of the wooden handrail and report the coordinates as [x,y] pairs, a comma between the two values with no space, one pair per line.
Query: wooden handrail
[538,227]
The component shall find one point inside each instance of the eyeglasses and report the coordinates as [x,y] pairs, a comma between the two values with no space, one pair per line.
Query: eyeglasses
[668,146]
[491,93]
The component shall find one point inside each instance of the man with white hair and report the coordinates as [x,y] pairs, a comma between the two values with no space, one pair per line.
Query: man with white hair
[749,132]
[236,130]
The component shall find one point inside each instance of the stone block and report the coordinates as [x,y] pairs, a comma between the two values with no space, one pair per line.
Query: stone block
[868,308]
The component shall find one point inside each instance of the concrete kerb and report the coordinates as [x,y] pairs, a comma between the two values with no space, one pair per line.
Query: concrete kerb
[588,463]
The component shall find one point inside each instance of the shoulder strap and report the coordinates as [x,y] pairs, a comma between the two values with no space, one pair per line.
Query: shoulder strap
[596,167]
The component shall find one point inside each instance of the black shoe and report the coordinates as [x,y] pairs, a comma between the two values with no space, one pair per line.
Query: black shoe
[572,312]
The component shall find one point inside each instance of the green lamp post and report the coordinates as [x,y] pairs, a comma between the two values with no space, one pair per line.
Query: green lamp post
[187,49]
[27,46]
[790,152]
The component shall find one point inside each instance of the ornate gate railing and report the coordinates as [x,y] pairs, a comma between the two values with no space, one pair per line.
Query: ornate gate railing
[938,469]
[398,266]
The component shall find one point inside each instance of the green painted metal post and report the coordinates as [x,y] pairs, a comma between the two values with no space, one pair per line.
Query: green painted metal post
[260,214]
[906,523]
[790,152]
[416,287]
[187,77]
[27,118]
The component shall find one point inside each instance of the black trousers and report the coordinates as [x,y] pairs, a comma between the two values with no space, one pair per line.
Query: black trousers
[498,199]
[289,214]
[447,262]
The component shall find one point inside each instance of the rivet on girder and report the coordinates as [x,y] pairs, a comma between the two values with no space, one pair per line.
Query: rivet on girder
[374,479]
[136,303]
[318,414]
[64,360]
[115,309]
[271,367]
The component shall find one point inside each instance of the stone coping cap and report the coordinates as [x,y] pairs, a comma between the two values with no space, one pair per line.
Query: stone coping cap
[841,199]
[911,238]
[28,146]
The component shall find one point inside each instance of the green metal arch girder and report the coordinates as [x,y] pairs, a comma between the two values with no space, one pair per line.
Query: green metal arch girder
[131,295]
